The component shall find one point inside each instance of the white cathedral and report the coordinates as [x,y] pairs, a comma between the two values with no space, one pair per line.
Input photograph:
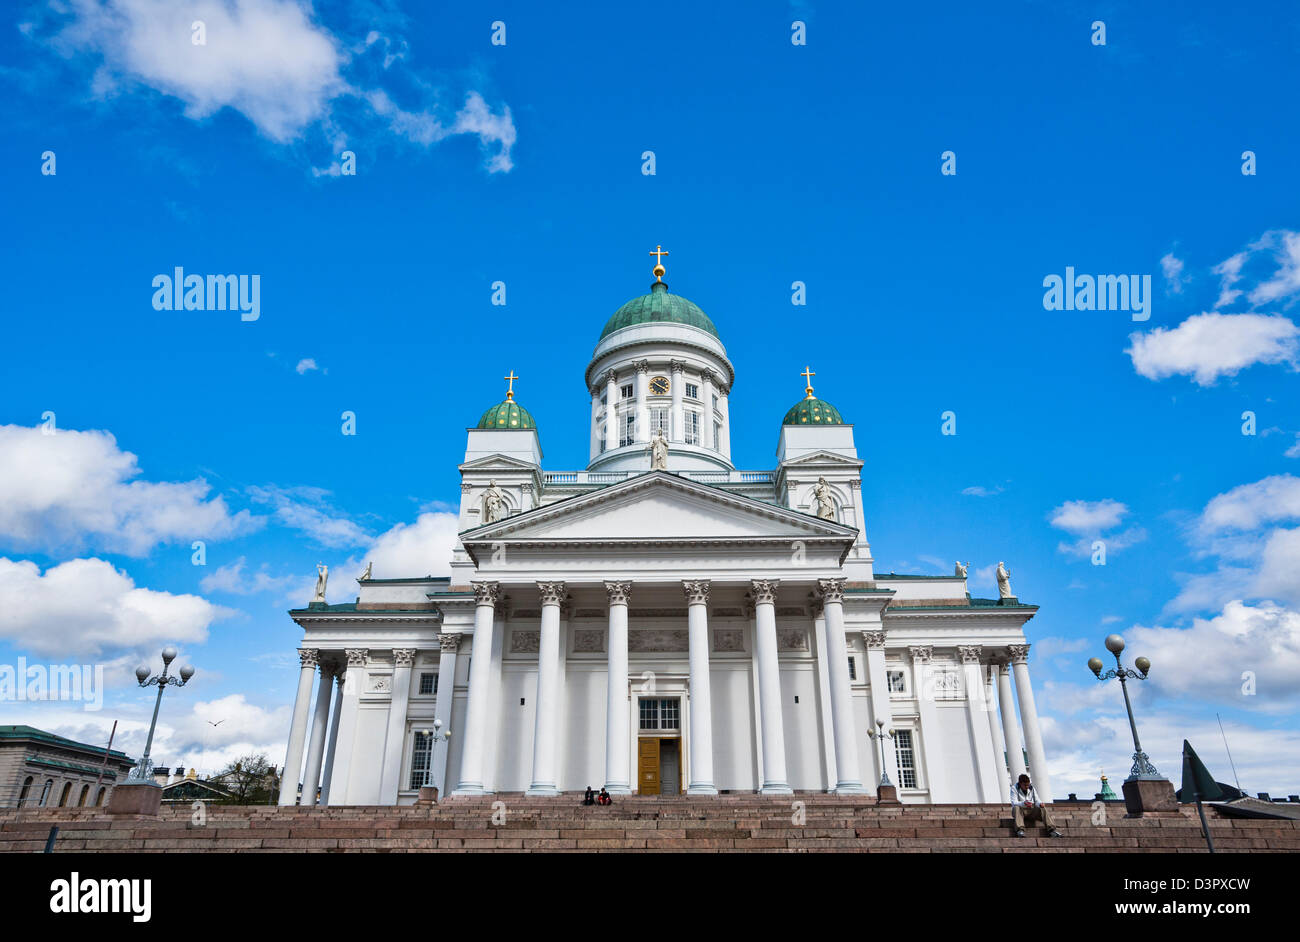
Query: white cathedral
[661,622]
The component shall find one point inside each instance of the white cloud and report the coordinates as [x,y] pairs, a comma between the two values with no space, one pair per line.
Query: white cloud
[1088,520]
[1229,272]
[308,510]
[1207,346]
[72,489]
[1248,506]
[1294,450]
[306,366]
[231,578]
[979,490]
[272,61]
[1285,281]
[1172,267]
[87,608]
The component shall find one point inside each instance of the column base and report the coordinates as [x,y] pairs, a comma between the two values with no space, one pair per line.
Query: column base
[776,788]
[849,788]
[619,789]
[468,788]
[542,791]
[701,788]
[887,795]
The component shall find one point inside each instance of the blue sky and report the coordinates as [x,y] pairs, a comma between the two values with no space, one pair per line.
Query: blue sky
[522,163]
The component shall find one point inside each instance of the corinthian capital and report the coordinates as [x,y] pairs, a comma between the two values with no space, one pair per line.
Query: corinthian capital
[308,657]
[764,591]
[697,591]
[552,592]
[969,653]
[618,592]
[921,653]
[448,642]
[832,590]
[874,639]
[1019,653]
[403,657]
[357,656]
[486,593]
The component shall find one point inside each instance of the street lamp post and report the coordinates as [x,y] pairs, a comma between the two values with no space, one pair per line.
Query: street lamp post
[886,793]
[1145,789]
[161,681]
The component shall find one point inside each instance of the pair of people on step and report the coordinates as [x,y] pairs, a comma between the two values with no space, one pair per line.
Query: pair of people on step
[592,798]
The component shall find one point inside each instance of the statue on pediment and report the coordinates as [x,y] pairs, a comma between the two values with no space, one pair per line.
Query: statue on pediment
[1004,582]
[961,570]
[659,452]
[322,577]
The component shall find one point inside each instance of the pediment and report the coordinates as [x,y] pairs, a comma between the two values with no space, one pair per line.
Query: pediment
[660,506]
[816,458]
[498,463]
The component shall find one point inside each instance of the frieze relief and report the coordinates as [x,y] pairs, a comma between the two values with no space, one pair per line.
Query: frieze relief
[588,641]
[657,640]
[728,640]
[525,641]
[791,639]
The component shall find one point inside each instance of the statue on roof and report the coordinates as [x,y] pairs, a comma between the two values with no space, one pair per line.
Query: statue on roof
[494,503]
[825,504]
[961,570]
[322,577]
[659,452]
[1004,582]
[365,576]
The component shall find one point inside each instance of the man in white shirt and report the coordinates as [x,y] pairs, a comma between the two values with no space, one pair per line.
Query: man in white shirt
[1025,805]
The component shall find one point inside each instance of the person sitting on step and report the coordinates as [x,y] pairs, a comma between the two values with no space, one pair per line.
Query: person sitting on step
[603,798]
[1025,804]
[590,797]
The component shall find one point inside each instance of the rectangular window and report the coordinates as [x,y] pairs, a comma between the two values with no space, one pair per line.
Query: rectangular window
[897,681]
[692,428]
[660,714]
[429,684]
[628,433]
[659,421]
[692,391]
[715,404]
[853,668]
[906,758]
[717,438]
[626,391]
[422,758]
[600,433]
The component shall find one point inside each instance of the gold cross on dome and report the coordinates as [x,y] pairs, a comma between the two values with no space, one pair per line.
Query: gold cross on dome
[808,374]
[659,269]
[510,393]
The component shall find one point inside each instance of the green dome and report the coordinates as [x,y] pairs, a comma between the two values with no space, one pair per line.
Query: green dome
[659,305]
[508,414]
[813,411]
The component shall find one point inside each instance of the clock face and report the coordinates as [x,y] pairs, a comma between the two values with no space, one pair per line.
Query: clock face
[659,386]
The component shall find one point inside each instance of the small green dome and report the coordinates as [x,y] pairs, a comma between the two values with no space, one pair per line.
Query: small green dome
[659,305]
[508,414]
[813,411]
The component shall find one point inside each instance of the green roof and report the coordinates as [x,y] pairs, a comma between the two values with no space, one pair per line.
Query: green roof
[658,305]
[40,735]
[813,411]
[507,415]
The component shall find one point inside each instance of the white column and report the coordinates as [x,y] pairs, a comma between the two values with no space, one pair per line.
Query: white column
[678,431]
[848,770]
[697,631]
[447,646]
[726,422]
[546,719]
[706,422]
[618,769]
[978,725]
[642,406]
[881,707]
[611,411]
[390,781]
[316,745]
[995,729]
[769,688]
[347,726]
[931,739]
[298,730]
[480,682]
[1010,731]
[595,423]
[337,713]
[861,547]
[1029,720]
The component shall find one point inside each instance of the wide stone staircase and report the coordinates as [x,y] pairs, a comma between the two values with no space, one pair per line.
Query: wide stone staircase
[512,822]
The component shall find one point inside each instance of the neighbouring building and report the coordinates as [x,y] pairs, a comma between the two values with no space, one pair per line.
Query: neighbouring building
[40,769]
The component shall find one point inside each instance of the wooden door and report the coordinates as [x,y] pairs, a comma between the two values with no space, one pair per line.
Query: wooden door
[648,766]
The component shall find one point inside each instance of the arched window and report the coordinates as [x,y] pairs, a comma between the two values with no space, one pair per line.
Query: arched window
[99,798]
[85,793]
[45,792]
[63,796]
[26,792]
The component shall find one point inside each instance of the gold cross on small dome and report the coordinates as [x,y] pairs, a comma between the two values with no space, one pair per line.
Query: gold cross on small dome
[808,374]
[510,393]
[659,269]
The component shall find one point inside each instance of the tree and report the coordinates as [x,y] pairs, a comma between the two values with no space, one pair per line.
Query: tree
[251,780]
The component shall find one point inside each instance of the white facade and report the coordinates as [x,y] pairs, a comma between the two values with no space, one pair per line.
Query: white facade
[698,628]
